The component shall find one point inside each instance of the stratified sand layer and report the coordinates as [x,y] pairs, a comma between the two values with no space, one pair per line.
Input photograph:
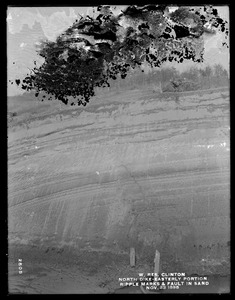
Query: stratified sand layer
[134,170]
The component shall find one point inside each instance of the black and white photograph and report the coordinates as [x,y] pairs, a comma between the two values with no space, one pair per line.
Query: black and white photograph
[118,149]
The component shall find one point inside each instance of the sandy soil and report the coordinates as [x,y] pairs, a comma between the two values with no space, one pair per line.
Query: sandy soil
[88,273]
[135,168]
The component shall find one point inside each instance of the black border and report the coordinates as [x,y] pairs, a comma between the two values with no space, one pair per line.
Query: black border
[4,181]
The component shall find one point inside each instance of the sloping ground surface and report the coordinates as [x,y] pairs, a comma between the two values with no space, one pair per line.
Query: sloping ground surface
[137,169]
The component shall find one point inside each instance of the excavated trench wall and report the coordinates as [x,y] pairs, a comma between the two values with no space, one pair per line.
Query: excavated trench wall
[155,180]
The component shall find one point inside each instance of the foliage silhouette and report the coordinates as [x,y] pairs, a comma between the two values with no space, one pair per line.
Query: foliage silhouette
[94,50]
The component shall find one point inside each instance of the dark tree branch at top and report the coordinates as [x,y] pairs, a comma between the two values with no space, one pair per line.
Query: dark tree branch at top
[93,50]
